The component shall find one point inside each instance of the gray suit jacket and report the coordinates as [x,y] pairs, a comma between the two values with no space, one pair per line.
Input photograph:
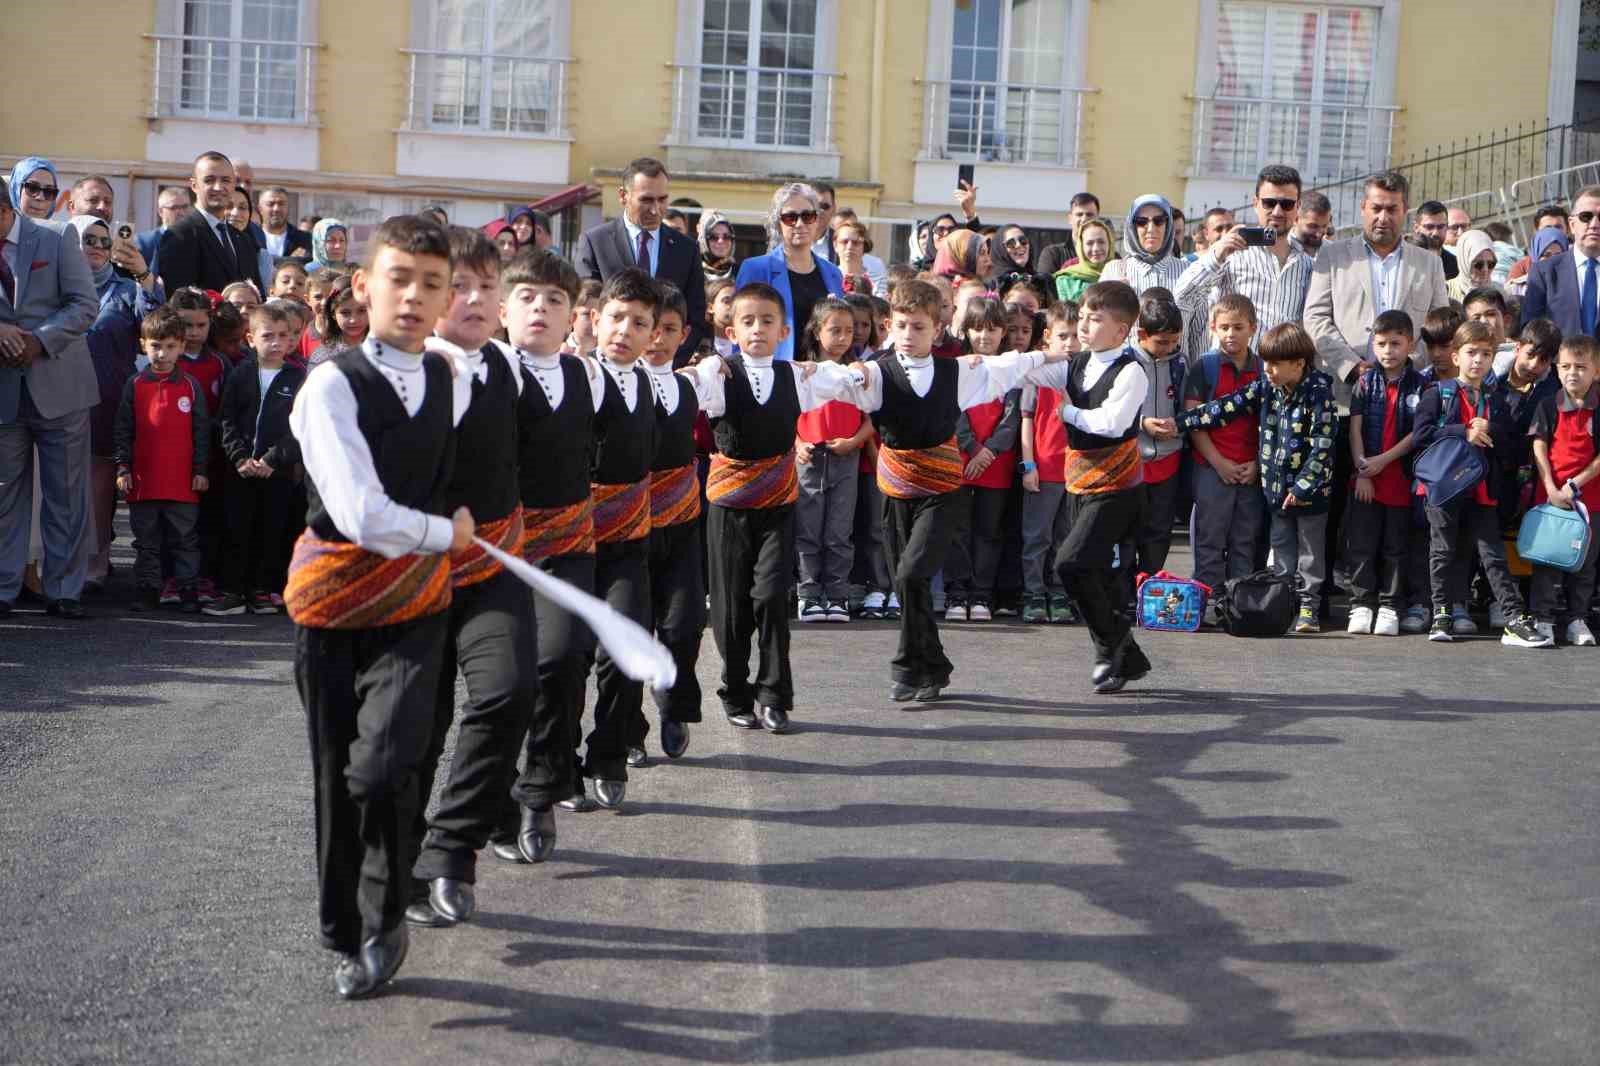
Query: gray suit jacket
[1340,307]
[56,302]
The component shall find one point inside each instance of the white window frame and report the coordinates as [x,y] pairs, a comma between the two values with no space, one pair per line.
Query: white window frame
[1383,76]
[170,30]
[423,15]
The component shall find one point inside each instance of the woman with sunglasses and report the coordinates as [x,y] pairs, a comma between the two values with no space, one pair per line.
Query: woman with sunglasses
[1148,261]
[1475,252]
[35,187]
[1013,251]
[716,247]
[800,277]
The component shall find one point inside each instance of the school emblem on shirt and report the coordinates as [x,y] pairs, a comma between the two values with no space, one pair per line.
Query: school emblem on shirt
[1411,401]
[183,404]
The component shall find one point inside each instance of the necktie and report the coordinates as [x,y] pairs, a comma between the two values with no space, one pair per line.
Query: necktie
[644,252]
[8,280]
[227,245]
[1591,297]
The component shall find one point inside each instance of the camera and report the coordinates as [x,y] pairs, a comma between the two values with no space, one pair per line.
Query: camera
[1258,236]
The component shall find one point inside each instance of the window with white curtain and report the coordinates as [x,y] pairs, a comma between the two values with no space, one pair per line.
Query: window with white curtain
[1007,97]
[757,78]
[491,68]
[1294,85]
[241,59]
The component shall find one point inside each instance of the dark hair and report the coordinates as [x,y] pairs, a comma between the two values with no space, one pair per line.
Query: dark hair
[1486,294]
[1388,181]
[1115,297]
[672,215]
[1431,207]
[536,266]
[1315,203]
[713,290]
[226,321]
[1235,303]
[825,186]
[672,301]
[1216,212]
[650,168]
[328,324]
[914,296]
[470,247]
[190,298]
[899,273]
[861,301]
[1470,332]
[632,286]
[1159,312]
[1544,336]
[811,344]
[1590,191]
[270,188]
[1059,311]
[436,213]
[541,220]
[982,311]
[881,309]
[1497,231]
[163,324]
[1083,198]
[1286,343]
[1018,278]
[288,262]
[93,179]
[212,156]
[1555,211]
[1441,324]
[1278,174]
[760,290]
[276,314]
[1573,345]
[411,234]
[1395,320]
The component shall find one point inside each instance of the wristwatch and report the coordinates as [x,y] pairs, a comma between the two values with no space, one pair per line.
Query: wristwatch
[1027,466]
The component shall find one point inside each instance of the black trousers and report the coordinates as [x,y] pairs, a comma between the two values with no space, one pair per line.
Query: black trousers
[549,771]
[1456,531]
[164,529]
[1343,476]
[622,579]
[678,610]
[369,696]
[212,527]
[490,631]
[1100,523]
[973,558]
[1153,540]
[751,554]
[258,511]
[916,539]
[1378,539]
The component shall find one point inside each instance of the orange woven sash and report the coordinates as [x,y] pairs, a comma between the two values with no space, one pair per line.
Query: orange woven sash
[551,531]
[621,512]
[475,565]
[752,484]
[674,496]
[911,473]
[338,585]
[1114,469]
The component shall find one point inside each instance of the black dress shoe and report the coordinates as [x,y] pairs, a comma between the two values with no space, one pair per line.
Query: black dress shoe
[578,803]
[421,913]
[360,975]
[609,794]
[637,758]
[902,692]
[744,720]
[65,609]
[508,852]
[1101,671]
[929,693]
[454,899]
[5,608]
[537,837]
[772,719]
[1110,683]
[674,738]
[1135,664]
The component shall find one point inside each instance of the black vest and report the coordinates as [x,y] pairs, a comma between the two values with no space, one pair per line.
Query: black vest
[625,441]
[907,420]
[675,432]
[554,446]
[750,430]
[414,455]
[485,481]
[1089,399]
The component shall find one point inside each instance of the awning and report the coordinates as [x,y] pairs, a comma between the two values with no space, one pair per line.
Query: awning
[566,198]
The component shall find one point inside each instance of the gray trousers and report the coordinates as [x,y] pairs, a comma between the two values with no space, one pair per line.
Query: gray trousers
[1225,527]
[1300,547]
[63,447]
[824,519]
[1046,518]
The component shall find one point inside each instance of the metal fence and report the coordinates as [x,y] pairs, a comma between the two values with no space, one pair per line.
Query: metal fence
[1006,123]
[753,107]
[265,81]
[466,92]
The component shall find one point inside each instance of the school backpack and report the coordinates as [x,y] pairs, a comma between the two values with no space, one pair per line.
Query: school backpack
[1450,466]
[1169,602]
[1555,537]
[1262,604]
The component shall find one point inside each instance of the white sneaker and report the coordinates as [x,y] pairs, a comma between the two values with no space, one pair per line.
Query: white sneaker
[892,603]
[1416,620]
[978,612]
[838,611]
[1461,622]
[955,612]
[1388,623]
[873,602]
[1360,620]
[1579,634]
[812,611]
[1497,617]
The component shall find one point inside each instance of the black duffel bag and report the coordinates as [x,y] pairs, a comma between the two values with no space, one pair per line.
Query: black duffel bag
[1262,604]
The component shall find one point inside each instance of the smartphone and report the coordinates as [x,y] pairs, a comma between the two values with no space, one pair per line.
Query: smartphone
[964,175]
[1258,236]
[122,231]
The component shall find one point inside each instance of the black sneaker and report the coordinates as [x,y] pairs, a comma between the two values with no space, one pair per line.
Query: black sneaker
[222,606]
[261,603]
[145,600]
[1524,632]
[1440,631]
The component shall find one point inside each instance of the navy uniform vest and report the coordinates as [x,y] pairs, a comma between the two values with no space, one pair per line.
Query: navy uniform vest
[1089,399]
[750,430]
[906,420]
[554,447]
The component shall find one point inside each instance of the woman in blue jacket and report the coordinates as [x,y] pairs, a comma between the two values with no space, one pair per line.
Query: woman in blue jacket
[800,277]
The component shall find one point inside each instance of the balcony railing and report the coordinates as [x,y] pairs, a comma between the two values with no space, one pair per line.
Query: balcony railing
[479,92]
[767,108]
[1003,122]
[1235,135]
[232,78]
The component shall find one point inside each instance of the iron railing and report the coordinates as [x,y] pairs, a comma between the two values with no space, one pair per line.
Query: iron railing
[485,92]
[232,78]
[1233,134]
[997,122]
[721,105]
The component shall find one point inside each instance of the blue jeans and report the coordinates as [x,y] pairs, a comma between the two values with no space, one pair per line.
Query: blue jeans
[63,449]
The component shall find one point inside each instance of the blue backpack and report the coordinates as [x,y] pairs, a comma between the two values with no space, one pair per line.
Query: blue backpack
[1451,465]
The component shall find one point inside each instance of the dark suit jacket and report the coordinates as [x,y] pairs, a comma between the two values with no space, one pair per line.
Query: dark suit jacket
[294,240]
[604,251]
[190,255]
[149,243]
[1553,292]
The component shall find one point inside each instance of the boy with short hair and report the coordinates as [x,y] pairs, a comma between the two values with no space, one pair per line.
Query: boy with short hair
[1160,445]
[1565,431]
[288,279]
[210,369]
[1522,375]
[369,590]
[1438,330]
[161,446]
[1046,510]
[1379,519]
[1228,504]
[581,340]
[1472,408]
[261,453]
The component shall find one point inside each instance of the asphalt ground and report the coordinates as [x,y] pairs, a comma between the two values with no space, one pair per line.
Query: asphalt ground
[1306,850]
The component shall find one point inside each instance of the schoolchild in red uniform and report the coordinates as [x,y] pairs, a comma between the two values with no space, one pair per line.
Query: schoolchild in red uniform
[1564,433]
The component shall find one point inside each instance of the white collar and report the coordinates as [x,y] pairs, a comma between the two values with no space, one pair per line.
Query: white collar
[663,371]
[16,226]
[1577,256]
[911,362]
[634,231]
[212,221]
[389,356]
[617,370]
[1381,257]
[1110,355]
[284,233]
[538,362]
[757,362]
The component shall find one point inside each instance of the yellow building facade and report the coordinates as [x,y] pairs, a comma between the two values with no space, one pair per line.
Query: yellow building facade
[365,108]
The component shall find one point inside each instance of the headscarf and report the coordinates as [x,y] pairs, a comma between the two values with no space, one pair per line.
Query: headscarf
[24,170]
[1544,238]
[958,255]
[715,269]
[922,250]
[102,276]
[1003,263]
[1469,246]
[517,212]
[1130,233]
[1081,267]
[319,243]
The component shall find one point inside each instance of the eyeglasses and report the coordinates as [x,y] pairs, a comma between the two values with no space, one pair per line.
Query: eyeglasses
[943,231]
[1144,220]
[33,188]
[1586,217]
[790,218]
[1016,242]
[91,241]
[716,237]
[1272,202]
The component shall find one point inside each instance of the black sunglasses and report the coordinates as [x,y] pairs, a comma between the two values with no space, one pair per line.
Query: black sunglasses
[789,218]
[1142,221]
[91,241]
[1270,202]
[1016,242]
[1586,217]
[35,189]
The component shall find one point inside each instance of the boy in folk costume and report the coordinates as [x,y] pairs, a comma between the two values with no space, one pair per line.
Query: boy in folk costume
[915,400]
[369,591]
[491,621]
[754,405]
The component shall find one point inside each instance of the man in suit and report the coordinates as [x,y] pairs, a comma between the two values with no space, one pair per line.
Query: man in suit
[47,388]
[1566,288]
[639,239]
[174,202]
[1353,282]
[282,239]
[202,249]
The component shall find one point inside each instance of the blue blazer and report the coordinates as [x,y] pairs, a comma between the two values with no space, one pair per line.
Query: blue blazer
[772,269]
[1554,292]
[149,242]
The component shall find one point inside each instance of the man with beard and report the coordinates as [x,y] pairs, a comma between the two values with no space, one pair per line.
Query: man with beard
[1428,230]
[1315,219]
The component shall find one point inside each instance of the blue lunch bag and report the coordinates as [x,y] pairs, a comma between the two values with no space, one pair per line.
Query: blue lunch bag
[1170,602]
[1554,536]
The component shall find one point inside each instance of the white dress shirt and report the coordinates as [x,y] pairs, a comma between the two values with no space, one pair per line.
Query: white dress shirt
[1579,261]
[991,379]
[338,459]
[477,365]
[213,222]
[546,371]
[1121,407]
[633,246]
[627,381]
[664,380]
[830,381]
[1385,274]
